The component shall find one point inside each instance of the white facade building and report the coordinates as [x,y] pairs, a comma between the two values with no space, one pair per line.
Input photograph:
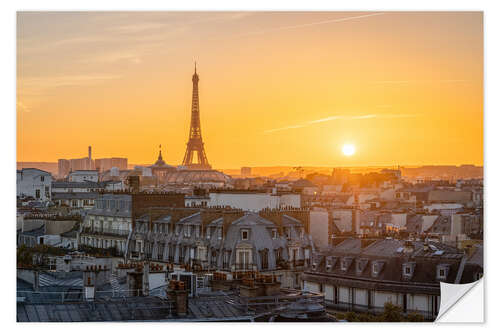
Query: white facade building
[84,176]
[34,183]
[254,201]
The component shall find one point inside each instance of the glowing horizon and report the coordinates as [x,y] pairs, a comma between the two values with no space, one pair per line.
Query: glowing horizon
[276,88]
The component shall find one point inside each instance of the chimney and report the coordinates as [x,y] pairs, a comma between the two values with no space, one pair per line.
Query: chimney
[90,153]
[36,281]
[145,280]
[89,276]
[177,293]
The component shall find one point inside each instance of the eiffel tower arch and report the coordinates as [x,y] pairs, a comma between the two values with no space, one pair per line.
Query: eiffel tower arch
[195,147]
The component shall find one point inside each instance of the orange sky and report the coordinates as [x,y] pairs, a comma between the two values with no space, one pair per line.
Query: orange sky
[275,88]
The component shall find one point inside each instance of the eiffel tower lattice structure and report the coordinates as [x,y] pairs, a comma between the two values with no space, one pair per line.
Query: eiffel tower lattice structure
[195,145]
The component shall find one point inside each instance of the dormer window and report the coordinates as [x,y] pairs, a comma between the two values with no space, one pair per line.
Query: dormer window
[377,267]
[408,270]
[361,265]
[442,271]
[244,234]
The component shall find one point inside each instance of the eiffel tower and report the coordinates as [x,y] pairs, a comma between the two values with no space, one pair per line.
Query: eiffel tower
[195,143]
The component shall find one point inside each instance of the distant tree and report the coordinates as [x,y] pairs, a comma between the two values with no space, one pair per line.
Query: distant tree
[24,256]
[415,317]
[392,313]
[351,317]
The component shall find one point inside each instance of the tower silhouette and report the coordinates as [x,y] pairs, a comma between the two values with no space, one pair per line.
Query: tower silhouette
[195,143]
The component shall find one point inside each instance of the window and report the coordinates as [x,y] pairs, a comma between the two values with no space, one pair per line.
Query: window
[244,258]
[244,234]
[197,231]
[37,194]
[42,178]
[277,254]
[441,273]
[208,232]
[201,253]
[225,261]
[213,258]
[275,233]
[264,259]
[219,233]
[407,270]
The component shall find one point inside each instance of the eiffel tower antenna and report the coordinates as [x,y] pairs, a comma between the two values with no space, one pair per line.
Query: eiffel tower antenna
[195,144]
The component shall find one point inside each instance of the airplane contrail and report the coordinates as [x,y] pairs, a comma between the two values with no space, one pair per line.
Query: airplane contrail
[317,121]
[312,23]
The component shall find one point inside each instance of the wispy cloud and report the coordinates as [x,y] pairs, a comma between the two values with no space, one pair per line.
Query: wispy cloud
[417,81]
[41,83]
[139,27]
[338,117]
[115,56]
[304,25]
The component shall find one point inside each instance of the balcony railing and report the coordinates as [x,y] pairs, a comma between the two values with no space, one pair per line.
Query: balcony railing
[346,306]
[298,263]
[244,267]
[105,231]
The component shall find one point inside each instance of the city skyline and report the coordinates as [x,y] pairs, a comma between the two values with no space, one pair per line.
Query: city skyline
[403,88]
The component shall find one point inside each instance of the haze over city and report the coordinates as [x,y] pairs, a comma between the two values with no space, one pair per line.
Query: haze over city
[318,89]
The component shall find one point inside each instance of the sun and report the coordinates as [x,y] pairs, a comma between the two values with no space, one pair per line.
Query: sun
[348,149]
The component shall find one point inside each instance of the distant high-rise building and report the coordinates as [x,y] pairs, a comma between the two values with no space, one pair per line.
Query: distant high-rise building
[63,168]
[105,164]
[246,171]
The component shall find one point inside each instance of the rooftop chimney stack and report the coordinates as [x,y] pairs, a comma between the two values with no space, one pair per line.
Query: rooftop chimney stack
[145,280]
[36,280]
[89,277]
[177,293]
